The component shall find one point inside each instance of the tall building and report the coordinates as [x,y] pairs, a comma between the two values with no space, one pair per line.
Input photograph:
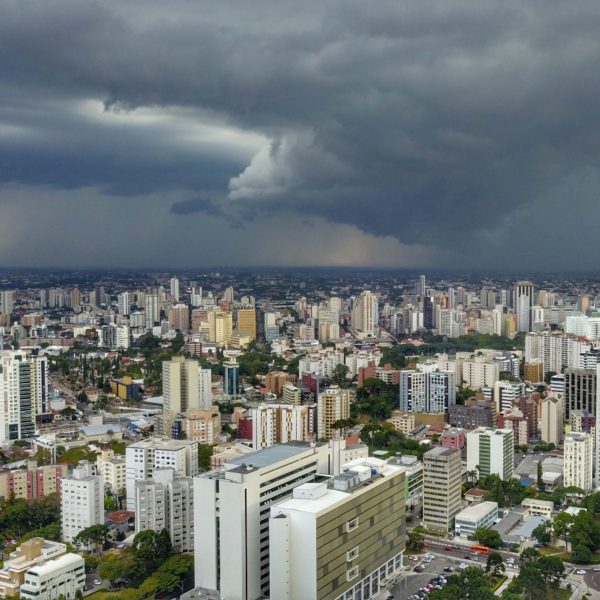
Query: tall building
[81,501]
[580,390]
[271,327]
[246,322]
[144,457]
[420,287]
[333,405]
[552,420]
[231,515]
[112,470]
[523,301]
[480,372]
[152,309]
[174,288]
[31,483]
[23,394]
[181,385]
[365,314]
[280,423]
[220,326]
[6,302]
[433,391]
[205,388]
[179,317]
[115,337]
[441,487]
[578,461]
[231,379]
[167,502]
[491,452]
[123,304]
[366,504]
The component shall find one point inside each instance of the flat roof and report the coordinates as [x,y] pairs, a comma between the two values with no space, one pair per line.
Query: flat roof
[477,511]
[56,563]
[271,455]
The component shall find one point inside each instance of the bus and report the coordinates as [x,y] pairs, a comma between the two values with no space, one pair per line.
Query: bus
[480,549]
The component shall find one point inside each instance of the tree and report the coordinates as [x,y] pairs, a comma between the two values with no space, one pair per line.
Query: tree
[95,536]
[531,582]
[415,540]
[488,537]
[561,525]
[339,375]
[78,595]
[494,565]
[552,569]
[471,584]
[115,566]
[529,555]
[581,554]
[204,454]
[542,533]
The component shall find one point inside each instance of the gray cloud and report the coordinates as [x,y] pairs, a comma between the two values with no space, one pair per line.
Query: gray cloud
[437,122]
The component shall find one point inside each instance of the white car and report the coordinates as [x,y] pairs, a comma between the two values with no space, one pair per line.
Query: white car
[580,572]
[97,582]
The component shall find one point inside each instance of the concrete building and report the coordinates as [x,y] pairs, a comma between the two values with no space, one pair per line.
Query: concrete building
[232,508]
[179,317]
[491,451]
[47,581]
[364,502]
[199,425]
[333,405]
[26,556]
[143,457]
[31,483]
[246,322]
[433,391]
[470,519]
[480,372]
[578,460]
[552,421]
[81,501]
[281,423]
[291,394]
[580,390]
[167,502]
[441,487]
[471,416]
[404,423]
[538,508]
[112,470]
[220,326]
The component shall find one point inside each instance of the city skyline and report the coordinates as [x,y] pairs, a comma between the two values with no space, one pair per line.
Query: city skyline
[423,135]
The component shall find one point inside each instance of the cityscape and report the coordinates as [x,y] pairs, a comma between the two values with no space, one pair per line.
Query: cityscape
[299,300]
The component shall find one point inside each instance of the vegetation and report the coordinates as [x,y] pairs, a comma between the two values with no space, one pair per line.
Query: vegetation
[416,540]
[488,537]
[471,584]
[539,577]
[19,516]
[376,399]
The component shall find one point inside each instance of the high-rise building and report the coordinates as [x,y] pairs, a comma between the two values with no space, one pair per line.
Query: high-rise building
[152,309]
[115,337]
[280,423]
[144,457]
[231,514]
[578,461]
[198,424]
[420,287]
[271,326]
[433,391]
[31,483]
[246,322]
[167,502]
[231,379]
[580,390]
[480,372]
[333,405]
[179,317]
[6,302]
[491,452]
[81,501]
[174,288]
[366,504]
[552,420]
[220,326]
[441,487]
[522,302]
[123,305]
[181,384]
[365,313]
[112,469]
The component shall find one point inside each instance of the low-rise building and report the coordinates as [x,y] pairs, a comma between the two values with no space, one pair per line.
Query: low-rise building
[472,518]
[32,482]
[64,575]
[112,470]
[402,422]
[538,508]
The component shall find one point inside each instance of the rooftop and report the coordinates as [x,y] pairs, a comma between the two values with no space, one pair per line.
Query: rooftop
[477,511]
[269,456]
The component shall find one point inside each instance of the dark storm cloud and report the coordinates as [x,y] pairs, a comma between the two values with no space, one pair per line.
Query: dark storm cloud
[432,121]
[194,205]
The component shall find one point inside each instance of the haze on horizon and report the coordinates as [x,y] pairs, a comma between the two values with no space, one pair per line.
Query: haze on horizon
[416,134]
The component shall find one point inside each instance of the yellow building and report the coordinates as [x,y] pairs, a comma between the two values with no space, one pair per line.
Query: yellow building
[534,372]
[246,322]
[220,326]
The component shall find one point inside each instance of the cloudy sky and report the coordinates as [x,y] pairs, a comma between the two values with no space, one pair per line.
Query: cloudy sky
[425,133]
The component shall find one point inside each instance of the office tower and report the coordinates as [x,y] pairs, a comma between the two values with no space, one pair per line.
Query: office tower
[246,322]
[523,301]
[231,379]
[167,502]
[231,515]
[552,420]
[420,287]
[174,288]
[578,464]
[181,384]
[366,503]
[205,388]
[427,391]
[123,304]
[451,293]
[23,394]
[179,317]
[280,423]
[441,487]
[491,451]
[333,405]
[196,297]
[580,390]
[229,294]
[115,337]
[220,326]
[428,322]
[144,457]
[365,314]
[81,501]
[271,327]
[43,298]
[152,309]
[112,470]
[75,297]
[6,302]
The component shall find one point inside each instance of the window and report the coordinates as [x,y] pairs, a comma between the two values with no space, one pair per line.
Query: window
[352,573]
[352,554]
[351,525]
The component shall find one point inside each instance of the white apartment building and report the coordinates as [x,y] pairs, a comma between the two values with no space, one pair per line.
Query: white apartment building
[81,501]
[166,502]
[112,470]
[578,460]
[480,372]
[205,388]
[305,565]
[505,393]
[491,451]
[470,519]
[232,508]
[47,581]
[552,422]
[555,350]
[441,487]
[431,391]
[281,423]
[143,457]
